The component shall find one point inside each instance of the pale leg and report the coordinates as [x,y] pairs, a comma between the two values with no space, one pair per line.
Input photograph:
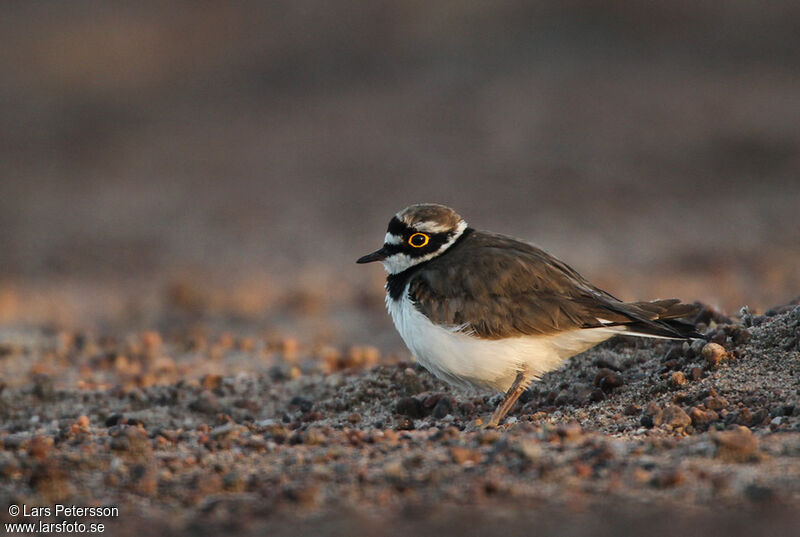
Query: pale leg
[521,384]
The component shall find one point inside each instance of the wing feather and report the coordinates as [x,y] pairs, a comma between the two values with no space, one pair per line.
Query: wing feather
[496,287]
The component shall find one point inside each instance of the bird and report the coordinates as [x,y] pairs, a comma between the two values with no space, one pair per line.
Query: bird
[488,311]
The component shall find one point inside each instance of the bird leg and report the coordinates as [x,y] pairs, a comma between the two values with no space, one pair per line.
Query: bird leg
[520,384]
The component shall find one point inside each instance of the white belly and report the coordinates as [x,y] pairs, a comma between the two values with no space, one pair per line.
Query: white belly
[467,360]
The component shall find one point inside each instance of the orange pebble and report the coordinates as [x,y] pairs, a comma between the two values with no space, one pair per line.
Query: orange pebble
[151,339]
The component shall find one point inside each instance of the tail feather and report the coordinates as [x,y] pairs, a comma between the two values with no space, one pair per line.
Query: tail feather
[659,319]
[669,329]
[671,308]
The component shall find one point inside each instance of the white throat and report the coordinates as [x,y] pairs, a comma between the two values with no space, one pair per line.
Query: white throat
[396,263]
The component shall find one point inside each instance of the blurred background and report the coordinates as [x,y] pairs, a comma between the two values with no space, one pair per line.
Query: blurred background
[227,162]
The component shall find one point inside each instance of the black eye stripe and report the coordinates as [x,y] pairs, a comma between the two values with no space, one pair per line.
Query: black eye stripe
[396,227]
[436,241]
[400,229]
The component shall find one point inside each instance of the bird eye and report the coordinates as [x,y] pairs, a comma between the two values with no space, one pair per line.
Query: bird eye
[418,240]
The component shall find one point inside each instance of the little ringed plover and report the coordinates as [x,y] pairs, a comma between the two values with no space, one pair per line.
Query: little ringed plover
[485,310]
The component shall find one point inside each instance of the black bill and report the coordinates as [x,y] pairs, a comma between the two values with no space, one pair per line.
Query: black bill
[377,255]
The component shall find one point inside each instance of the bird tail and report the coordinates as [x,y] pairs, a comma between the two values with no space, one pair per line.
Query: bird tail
[665,319]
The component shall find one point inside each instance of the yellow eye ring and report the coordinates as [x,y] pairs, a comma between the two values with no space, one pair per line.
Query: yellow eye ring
[415,242]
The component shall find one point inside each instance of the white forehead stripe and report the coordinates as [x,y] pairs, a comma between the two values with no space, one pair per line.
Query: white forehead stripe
[392,239]
[434,227]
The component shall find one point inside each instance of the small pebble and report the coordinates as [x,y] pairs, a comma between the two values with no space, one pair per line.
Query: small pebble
[713,353]
[678,378]
[716,403]
[738,445]
[410,407]
[701,418]
[443,407]
[672,416]
[607,380]
[113,419]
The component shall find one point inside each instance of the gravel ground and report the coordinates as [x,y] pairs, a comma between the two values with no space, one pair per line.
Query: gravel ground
[333,440]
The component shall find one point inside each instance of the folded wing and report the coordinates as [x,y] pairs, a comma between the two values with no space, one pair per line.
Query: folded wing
[495,287]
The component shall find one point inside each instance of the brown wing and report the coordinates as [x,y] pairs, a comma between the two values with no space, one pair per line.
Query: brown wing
[496,287]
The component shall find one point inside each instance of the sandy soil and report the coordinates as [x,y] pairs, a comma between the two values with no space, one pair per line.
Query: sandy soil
[679,434]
